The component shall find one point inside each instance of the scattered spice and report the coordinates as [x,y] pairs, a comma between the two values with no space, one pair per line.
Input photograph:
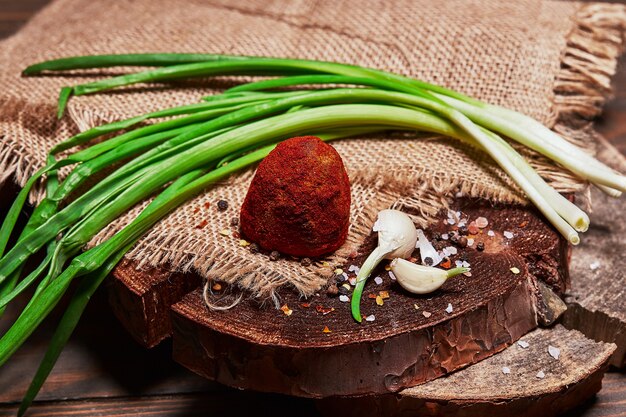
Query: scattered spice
[379,300]
[446,263]
[344,289]
[352,281]
[426,314]
[305,262]
[470,242]
[506,370]
[326,329]
[236,235]
[444,236]
[202,224]
[332,290]
[480,246]
[371,317]
[325,264]
[337,271]
[594,265]
[346,286]
[305,305]
[384,294]
[286,310]
[324,310]
[274,255]
[243,242]
[416,306]
[554,352]
[378,280]
[428,261]
[344,298]
[524,223]
[354,268]
[225,232]
[491,233]
[541,375]
[507,234]
[222,205]
[254,248]
[515,270]
[216,287]
[449,309]
[234,222]
[523,344]
[372,296]
[473,229]
[207,204]
[463,241]
[463,230]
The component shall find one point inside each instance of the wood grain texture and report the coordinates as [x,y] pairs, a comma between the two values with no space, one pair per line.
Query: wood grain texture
[484,389]
[597,299]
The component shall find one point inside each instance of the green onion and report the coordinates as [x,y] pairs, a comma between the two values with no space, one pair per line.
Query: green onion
[191,147]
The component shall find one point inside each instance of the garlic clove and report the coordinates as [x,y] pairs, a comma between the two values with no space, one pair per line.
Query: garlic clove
[396,233]
[420,279]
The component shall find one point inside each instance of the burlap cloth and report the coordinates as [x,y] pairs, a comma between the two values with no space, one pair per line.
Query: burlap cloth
[549,59]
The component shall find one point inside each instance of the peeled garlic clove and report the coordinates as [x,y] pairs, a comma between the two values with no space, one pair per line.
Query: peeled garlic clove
[420,279]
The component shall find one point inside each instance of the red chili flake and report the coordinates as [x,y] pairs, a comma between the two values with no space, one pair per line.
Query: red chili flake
[384,294]
[473,229]
[326,329]
[447,263]
[217,287]
[306,305]
[207,205]
[524,223]
[202,224]
[371,295]
[323,310]
[236,235]
[195,210]
[286,310]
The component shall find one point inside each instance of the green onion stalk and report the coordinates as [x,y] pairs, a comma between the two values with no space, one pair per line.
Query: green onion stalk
[185,149]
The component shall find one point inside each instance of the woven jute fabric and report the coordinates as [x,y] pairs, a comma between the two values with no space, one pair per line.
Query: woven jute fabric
[551,60]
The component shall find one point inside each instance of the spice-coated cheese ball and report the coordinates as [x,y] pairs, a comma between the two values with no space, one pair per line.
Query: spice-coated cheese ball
[299,200]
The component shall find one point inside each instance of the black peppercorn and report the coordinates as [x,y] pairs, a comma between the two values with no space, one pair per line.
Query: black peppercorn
[222,205]
[274,255]
[480,246]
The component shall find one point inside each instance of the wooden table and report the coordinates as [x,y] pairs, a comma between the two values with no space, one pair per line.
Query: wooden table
[103,372]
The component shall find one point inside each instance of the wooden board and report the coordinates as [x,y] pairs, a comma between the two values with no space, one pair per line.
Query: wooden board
[597,299]
[264,349]
[484,389]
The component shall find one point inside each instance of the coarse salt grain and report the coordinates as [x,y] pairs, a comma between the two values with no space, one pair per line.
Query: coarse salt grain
[451,221]
[392,276]
[541,375]
[378,280]
[352,281]
[345,276]
[426,314]
[371,317]
[338,271]
[354,268]
[523,344]
[481,222]
[344,298]
[449,309]
[491,233]
[594,265]
[507,234]
[444,236]
[451,250]
[458,263]
[554,352]
[515,270]
[465,264]
[470,242]
[506,370]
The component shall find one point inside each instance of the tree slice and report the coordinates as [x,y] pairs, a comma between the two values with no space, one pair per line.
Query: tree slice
[598,295]
[484,389]
[141,300]
[265,349]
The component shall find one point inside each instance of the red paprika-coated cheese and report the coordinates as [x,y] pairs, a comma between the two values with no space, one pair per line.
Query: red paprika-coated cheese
[299,200]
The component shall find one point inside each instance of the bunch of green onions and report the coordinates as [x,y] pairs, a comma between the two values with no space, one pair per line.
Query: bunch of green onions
[188,148]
